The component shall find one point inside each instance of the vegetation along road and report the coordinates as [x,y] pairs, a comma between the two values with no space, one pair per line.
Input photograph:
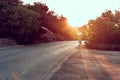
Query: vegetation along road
[58,61]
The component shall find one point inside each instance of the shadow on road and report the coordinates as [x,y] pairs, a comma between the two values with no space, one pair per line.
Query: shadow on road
[87,64]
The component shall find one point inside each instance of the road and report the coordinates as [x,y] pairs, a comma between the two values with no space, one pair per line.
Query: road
[88,64]
[33,62]
[60,61]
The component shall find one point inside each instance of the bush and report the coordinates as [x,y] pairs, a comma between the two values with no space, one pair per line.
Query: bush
[105,29]
[19,23]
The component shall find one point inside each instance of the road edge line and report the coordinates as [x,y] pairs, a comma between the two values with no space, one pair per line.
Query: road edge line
[59,65]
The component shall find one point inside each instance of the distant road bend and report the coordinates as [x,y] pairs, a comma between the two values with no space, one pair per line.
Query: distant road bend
[34,62]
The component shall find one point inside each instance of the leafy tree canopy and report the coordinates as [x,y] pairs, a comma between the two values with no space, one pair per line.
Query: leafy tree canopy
[104,29]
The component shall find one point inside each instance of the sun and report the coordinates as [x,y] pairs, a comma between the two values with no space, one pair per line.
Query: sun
[73,24]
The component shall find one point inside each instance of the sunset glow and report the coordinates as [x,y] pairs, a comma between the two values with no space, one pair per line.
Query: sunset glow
[79,12]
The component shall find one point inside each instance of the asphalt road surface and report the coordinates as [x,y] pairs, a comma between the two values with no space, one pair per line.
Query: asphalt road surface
[86,64]
[33,62]
[60,61]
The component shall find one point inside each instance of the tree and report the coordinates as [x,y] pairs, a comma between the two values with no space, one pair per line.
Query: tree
[13,2]
[50,20]
[19,23]
[24,22]
[105,29]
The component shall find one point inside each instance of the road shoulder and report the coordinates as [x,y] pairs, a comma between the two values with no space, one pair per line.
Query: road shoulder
[85,65]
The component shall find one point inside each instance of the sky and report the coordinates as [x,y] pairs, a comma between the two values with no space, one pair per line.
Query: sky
[79,12]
